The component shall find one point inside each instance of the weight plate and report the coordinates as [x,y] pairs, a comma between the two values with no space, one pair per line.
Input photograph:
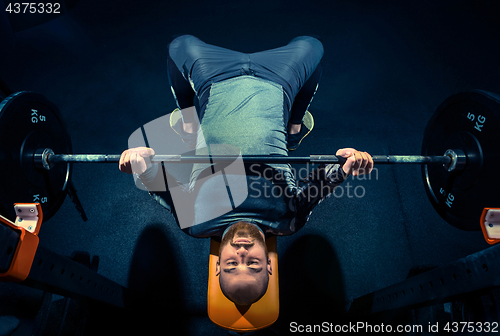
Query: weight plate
[468,121]
[28,121]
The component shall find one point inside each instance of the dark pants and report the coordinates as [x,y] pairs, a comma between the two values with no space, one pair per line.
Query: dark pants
[296,67]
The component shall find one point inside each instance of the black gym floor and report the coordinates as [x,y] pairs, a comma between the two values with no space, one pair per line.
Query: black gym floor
[387,66]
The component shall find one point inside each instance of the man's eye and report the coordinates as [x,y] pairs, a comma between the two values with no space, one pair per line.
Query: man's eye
[232,263]
[253,262]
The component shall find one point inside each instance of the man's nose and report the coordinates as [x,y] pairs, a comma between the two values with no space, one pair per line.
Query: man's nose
[242,251]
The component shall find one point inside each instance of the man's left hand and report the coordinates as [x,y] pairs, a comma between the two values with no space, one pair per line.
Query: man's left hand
[357,163]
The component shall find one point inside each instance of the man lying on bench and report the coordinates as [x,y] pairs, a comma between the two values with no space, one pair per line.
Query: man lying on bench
[256,103]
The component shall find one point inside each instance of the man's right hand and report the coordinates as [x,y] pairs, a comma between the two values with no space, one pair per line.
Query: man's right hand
[136,160]
[357,163]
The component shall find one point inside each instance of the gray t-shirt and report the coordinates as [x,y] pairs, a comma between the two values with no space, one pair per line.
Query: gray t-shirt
[243,113]
[246,113]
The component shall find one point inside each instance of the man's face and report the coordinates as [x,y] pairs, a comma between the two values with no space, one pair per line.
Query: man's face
[243,263]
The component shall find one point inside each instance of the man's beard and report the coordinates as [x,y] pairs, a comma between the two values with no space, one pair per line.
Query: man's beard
[243,230]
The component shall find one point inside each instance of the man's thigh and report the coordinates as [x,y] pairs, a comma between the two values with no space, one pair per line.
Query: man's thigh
[203,64]
[290,65]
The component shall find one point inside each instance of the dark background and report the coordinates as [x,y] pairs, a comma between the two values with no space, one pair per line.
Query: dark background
[387,66]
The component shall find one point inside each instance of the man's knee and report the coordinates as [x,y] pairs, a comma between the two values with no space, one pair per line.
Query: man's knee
[310,43]
[308,50]
[183,45]
[314,40]
[184,51]
[181,41]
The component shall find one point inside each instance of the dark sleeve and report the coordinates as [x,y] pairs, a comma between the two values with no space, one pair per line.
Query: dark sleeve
[153,178]
[319,184]
[157,180]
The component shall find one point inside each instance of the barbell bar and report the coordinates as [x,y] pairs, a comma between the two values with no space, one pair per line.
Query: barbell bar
[451,160]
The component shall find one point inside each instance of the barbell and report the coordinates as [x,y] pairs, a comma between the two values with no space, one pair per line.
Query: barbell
[451,160]
[459,156]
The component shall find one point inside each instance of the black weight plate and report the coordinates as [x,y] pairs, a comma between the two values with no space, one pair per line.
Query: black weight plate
[468,121]
[28,121]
